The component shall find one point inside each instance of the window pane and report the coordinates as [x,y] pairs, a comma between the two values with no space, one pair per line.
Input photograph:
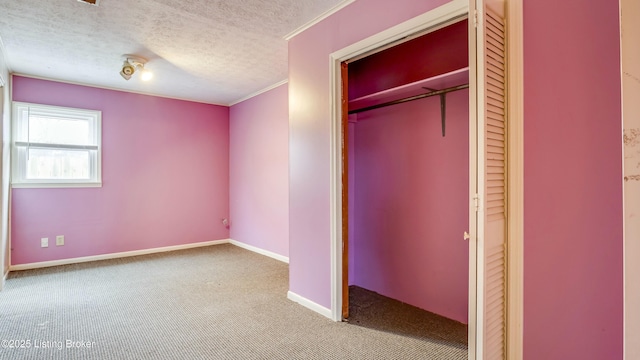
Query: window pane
[64,165]
[58,164]
[51,130]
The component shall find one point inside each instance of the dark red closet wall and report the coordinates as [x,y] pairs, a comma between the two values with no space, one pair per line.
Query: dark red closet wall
[432,54]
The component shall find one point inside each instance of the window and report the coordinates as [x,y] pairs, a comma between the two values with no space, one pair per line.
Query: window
[55,146]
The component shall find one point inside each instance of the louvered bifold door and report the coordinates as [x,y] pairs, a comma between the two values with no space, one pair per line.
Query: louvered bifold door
[491,186]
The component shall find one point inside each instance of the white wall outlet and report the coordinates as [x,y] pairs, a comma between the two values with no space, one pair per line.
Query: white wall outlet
[59,240]
[44,242]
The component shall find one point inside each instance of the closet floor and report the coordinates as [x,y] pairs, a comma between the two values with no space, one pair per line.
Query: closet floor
[372,310]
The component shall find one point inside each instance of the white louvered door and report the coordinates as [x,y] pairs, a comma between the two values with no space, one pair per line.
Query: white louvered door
[489,207]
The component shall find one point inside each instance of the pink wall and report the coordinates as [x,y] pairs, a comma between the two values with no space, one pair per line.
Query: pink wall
[309,133]
[259,171]
[412,204]
[573,188]
[165,172]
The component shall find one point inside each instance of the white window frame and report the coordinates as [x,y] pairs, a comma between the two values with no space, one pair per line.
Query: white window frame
[20,142]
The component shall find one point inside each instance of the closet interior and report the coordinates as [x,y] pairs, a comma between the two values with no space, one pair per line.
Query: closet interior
[408,178]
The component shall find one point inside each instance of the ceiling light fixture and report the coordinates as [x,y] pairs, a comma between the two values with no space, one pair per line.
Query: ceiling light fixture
[90,2]
[132,64]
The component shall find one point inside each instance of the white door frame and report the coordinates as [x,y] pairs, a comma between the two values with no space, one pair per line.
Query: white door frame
[432,20]
[630,34]
[5,108]
[515,179]
[436,18]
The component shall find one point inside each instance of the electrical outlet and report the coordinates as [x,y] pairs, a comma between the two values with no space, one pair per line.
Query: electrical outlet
[59,240]
[44,242]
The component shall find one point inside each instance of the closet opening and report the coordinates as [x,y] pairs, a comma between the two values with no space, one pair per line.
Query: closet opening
[405,157]
[494,195]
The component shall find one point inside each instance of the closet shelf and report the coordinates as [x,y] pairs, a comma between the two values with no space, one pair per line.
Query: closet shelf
[438,82]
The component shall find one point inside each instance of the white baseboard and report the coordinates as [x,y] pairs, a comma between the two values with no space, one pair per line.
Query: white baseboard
[114,255]
[270,254]
[309,304]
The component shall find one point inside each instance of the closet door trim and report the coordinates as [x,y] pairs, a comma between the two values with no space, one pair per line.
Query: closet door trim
[433,20]
[515,181]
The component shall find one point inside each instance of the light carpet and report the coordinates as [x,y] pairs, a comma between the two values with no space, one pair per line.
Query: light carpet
[217,302]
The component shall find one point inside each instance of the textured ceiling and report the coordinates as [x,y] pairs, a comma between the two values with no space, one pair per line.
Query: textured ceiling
[214,51]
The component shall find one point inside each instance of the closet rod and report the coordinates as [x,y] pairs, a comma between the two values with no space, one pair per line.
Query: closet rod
[411,98]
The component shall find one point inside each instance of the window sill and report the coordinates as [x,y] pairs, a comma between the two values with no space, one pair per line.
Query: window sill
[55,185]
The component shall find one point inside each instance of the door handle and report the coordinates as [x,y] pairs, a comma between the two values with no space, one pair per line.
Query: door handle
[466,236]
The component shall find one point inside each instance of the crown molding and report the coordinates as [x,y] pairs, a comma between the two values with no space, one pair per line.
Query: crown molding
[318,18]
[270,87]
